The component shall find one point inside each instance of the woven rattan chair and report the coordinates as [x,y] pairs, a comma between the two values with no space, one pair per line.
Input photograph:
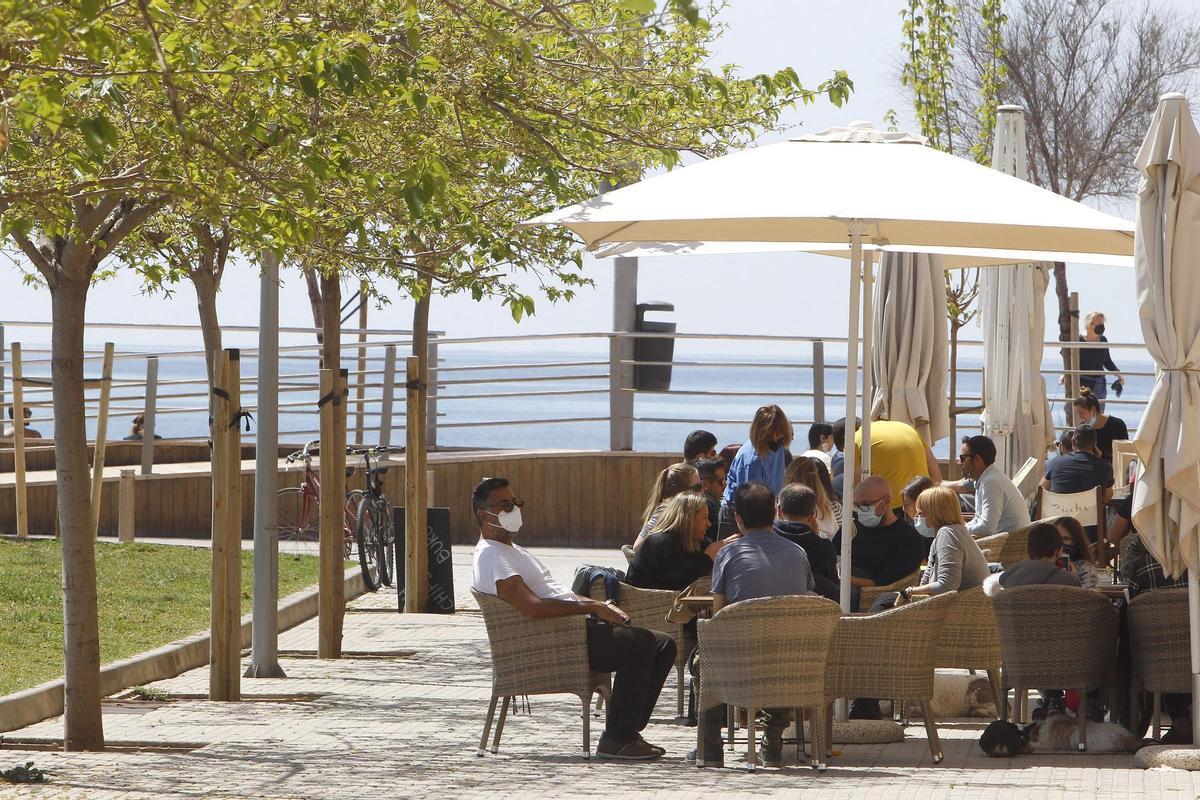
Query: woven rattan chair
[647,608]
[1016,548]
[993,545]
[767,653]
[869,594]
[890,654]
[1038,652]
[969,640]
[1158,632]
[536,656]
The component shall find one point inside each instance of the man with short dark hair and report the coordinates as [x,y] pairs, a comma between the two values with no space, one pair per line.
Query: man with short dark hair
[641,659]
[698,445]
[756,564]
[1040,568]
[796,521]
[712,477]
[10,430]
[999,506]
[1081,470]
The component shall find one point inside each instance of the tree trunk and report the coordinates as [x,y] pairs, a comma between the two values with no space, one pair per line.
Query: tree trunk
[314,301]
[210,327]
[952,462]
[83,726]
[1066,330]
[330,305]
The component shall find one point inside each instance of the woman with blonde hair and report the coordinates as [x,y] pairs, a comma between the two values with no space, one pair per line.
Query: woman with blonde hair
[812,473]
[759,460]
[955,560]
[1095,361]
[673,480]
[672,556]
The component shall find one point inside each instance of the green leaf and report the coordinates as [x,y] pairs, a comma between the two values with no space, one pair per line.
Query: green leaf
[98,133]
[309,86]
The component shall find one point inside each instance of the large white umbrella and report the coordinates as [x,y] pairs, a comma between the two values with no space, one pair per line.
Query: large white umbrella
[910,360]
[1013,317]
[857,184]
[1166,500]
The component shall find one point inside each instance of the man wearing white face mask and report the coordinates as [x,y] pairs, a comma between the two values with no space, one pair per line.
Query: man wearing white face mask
[886,548]
[641,659]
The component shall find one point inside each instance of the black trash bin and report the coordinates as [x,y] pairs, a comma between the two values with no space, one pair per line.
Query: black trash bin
[441,571]
[656,377]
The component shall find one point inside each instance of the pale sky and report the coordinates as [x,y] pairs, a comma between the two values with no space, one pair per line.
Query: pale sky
[790,295]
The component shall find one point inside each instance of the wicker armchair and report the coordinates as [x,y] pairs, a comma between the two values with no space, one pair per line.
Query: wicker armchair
[992,545]
[768,653]
[1158,631]
[536,656]
[969,640]
[647,608]
[1037,652]
[1016,547]
[890,654]
[869,594]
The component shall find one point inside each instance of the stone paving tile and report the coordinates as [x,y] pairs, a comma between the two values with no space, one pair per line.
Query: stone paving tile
[410,726]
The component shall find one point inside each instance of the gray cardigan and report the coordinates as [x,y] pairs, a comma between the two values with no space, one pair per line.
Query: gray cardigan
[955,561]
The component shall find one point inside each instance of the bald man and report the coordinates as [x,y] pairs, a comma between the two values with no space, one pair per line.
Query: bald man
[885,547]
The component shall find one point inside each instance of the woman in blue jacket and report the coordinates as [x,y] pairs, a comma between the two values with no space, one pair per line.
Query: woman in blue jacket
[760,460]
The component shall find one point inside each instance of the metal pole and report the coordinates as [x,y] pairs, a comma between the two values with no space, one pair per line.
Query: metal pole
[389,396]
[625,280]
[818,381]
[148,415]
[264,652]
[857,229]
[431,391]
[868,362]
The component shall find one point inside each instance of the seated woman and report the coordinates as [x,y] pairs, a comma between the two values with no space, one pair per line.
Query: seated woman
[813,473]
[1075,546]
[673,480]
[671,557]
[955,561]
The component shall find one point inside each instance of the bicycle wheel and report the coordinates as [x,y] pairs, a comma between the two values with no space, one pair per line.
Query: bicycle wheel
[298,520]
[350,530]
[387,543]
[368,543]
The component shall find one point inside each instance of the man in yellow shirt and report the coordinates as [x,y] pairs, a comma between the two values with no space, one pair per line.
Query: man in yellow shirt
[898,454]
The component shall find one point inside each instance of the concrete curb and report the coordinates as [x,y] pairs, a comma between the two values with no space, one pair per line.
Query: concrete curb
[1173,756]
[45,701]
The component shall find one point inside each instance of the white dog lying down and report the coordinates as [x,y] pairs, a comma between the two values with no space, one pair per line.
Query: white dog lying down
[957,694]
[1061,732]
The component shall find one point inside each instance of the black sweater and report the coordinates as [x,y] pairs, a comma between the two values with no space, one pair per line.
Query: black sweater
[1095,359]
[660,563]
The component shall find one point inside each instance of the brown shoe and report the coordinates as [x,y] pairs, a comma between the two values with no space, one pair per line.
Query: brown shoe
[636,750]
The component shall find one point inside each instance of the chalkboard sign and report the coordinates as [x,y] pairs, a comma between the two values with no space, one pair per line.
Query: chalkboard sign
[441,565]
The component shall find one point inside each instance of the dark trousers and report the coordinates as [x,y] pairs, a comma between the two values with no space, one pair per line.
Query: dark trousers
[777,720]
[641,660]
[1178,706]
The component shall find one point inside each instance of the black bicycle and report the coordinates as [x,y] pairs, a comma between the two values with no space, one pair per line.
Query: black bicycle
[374,532]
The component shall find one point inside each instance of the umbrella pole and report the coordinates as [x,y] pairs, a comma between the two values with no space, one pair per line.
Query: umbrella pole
[868,359]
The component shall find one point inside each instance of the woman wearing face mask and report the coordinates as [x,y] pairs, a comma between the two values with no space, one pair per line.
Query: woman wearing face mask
[955,560]
[759,460]
[1093,361]
[1109,429]
[1075,547]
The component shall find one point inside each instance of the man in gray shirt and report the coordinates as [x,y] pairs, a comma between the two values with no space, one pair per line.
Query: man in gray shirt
[999,506]
[758,563]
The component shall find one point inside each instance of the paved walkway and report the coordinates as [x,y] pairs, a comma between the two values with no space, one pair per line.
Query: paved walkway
[409,726]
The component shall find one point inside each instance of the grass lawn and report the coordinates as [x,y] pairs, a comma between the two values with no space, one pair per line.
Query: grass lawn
[149,595]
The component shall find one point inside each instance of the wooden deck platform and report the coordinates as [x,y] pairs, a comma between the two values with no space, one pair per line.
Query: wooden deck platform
[575,498]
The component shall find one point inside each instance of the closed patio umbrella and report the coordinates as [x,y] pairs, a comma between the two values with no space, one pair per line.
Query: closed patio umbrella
[910,359]
[854,184]
[1166,499]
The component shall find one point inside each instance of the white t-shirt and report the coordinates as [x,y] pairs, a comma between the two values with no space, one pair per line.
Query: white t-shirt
[496,561]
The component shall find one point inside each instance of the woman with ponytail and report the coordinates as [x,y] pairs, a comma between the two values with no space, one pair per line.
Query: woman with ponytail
[1109,429]
[673,480]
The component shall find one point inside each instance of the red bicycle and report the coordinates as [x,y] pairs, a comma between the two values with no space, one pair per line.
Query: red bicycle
[299,518]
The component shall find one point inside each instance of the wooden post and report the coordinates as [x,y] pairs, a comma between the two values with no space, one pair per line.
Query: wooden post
[101,436]
[127,506]
[360,390]
[429,488]
[431,393]
[1073,360]
[416,572]
[389,396]
[225,675]
[818,381]
[18,394]
[148,415]
[332,600]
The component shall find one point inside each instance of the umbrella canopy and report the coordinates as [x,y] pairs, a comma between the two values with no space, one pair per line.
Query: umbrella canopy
[910,359]
[1166,500]
[1013,317]
[808,189]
